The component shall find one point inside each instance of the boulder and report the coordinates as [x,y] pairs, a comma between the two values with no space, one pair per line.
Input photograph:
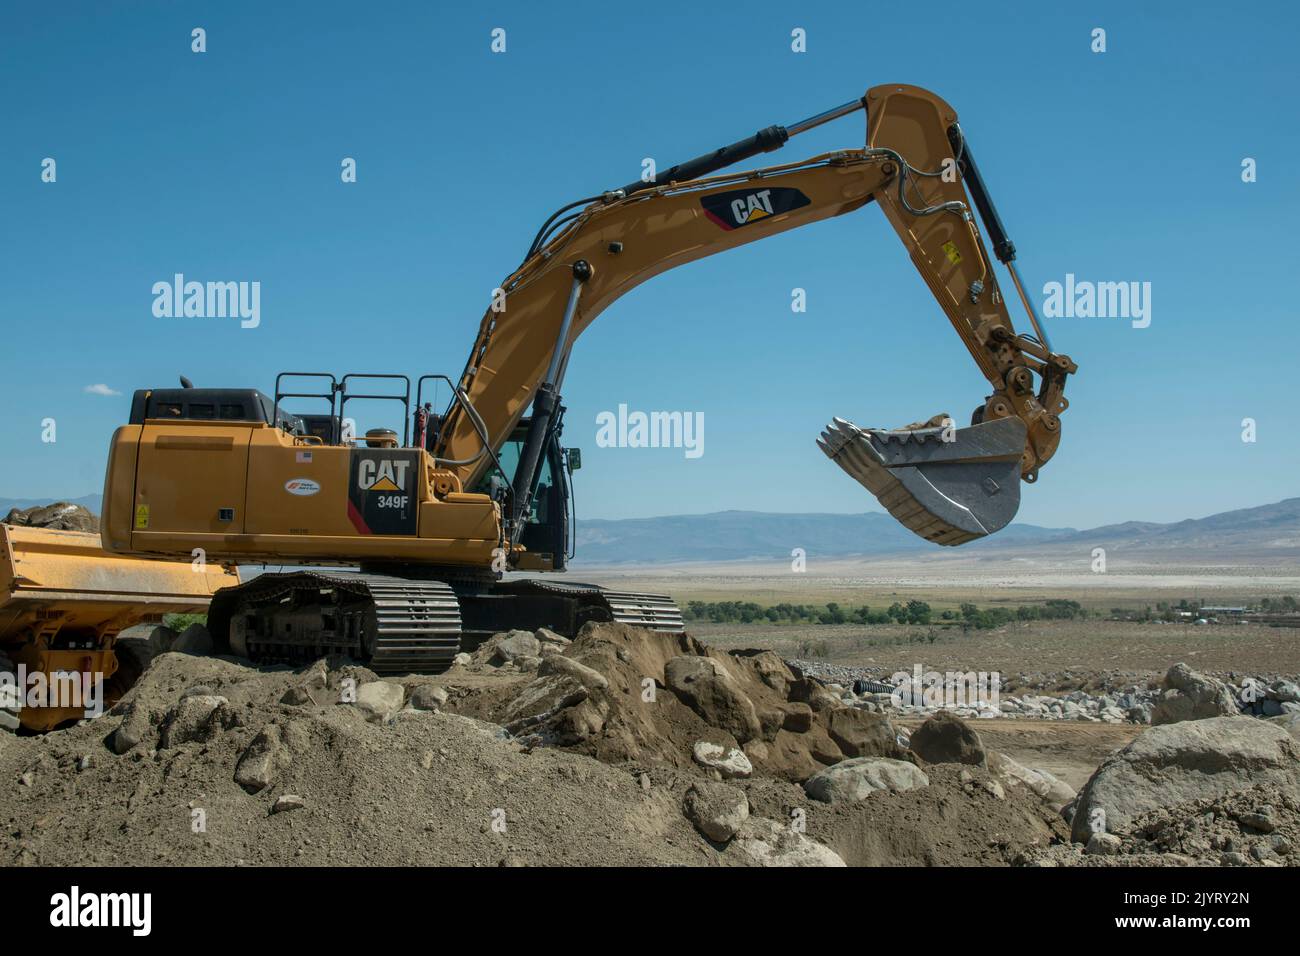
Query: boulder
[380,700]
[544,697]
[763,842]
[1103,844]
[704,686]
[728,761]
[1181,762]
[516,644]
[161,639]
[718,810]
[259,763]
[1192,696]
[137,726]
[861,733]
[1288,722]
[1285,691]
[852,780]
[60,516]
[545,636]
[195,639]
[798,718]
[946,738]
[429,697]
[588,677]
[1053,792]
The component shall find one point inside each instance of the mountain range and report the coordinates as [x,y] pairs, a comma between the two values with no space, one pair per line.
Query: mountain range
[1268,533]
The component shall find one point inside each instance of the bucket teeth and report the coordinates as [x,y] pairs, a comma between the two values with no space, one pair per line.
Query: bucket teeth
[948,485]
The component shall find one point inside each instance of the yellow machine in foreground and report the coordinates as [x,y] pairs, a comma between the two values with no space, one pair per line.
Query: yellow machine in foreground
[63,603]
[433,517]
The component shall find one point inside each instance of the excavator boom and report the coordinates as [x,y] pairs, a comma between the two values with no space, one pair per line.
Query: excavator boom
[946,483]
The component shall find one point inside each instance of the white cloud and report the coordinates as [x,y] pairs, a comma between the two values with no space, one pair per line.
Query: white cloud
[100,390]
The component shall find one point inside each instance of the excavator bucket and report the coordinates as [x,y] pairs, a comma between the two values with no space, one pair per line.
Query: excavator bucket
[949,485]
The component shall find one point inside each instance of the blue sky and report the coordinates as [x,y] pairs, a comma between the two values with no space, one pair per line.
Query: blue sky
[1121,166]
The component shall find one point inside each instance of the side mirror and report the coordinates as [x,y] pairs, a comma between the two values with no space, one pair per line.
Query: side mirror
[574,458]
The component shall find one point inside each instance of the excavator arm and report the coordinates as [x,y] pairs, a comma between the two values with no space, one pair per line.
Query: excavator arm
[948,484]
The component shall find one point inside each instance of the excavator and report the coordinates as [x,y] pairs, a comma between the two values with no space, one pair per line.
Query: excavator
[393,549]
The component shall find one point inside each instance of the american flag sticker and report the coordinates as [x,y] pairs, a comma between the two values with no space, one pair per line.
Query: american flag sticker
[304,456]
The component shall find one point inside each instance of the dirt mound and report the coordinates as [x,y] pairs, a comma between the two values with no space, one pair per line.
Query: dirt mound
[637,696]
[59,516]
[960,819]
[427,788]
[623,747]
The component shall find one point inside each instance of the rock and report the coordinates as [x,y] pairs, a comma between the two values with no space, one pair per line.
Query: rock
[1288,722]
[516,644]
[1103,844]
[137,725]
[380,700]
[1262,821]
[544,697]
[945,738]
[1052,791]
[527,665]
[60,516]
[85,762]
[296,697]
[588,677]
[9,721]
[195,639]
[1271,708]
[704,686]
[27,778]
[259,763]
[852,780]
[429,697]
[860,733]
[161,639]
[718,810]
[194,718]
[545,635]
[772,671]
[763,842]
[288,801]
[1285,690]
[1185,761]
[798,718]
[1192,696]
[462,660]
[728,761]
[994,789]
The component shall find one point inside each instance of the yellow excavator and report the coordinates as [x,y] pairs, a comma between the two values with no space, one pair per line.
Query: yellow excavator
[398,544]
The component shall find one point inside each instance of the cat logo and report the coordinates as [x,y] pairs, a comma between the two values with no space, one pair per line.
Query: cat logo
[385,475]
[754,206]
[740,207]
[383,491]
